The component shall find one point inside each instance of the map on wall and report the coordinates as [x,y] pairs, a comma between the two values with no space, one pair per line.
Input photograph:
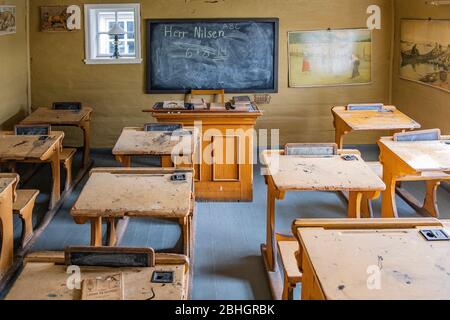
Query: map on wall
[7,20]
[330,58]
[425,52]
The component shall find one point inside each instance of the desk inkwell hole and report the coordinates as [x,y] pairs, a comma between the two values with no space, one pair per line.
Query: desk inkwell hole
[435,235]
[162,277]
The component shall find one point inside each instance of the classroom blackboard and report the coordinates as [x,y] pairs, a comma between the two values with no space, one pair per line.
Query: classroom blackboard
[238,55]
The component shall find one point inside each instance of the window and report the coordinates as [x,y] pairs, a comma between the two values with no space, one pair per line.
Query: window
[100,45]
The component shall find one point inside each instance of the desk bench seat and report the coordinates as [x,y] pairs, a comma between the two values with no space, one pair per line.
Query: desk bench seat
[377,167]
[66,159]
[23,207]
[433,180]
[292,274]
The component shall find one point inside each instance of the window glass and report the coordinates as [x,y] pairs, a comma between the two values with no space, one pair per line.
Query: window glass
[102,19]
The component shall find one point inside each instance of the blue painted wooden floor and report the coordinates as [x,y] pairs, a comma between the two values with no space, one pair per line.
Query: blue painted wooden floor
[228,263]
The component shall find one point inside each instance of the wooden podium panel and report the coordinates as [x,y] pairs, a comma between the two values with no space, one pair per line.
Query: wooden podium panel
[226,136]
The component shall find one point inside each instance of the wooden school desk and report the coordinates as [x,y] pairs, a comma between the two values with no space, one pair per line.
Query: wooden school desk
[8,184]
[376,259]
[32,149]
[137,142]
[296,173]
[228,176]
[413,161]
[45,277]
[346,121]
[113,194]
[81,119]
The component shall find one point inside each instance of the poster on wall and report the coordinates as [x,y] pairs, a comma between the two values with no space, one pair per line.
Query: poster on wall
[7,20]
[330,58]
[60,18]
[425,52]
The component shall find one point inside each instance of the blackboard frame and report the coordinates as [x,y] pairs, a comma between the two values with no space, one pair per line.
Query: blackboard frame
[149,22]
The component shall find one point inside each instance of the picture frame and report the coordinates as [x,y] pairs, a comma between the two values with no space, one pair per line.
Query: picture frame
[321,58]
[425,52]
[7,20]
[55,19]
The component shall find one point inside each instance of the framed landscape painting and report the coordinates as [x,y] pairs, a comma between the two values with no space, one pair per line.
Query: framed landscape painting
[330,58]
[7,20]
[425,52]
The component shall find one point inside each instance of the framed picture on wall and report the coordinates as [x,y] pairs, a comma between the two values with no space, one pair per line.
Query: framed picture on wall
[425,52]
[56,19]
[7,20]
[330,58]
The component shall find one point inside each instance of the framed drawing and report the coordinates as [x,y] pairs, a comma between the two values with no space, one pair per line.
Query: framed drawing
[60,18]
[425,52]
[7,20]
[330,57]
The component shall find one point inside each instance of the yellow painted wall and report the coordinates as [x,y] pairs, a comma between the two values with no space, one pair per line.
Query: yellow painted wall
[14,69]
[429,106]
[116,92]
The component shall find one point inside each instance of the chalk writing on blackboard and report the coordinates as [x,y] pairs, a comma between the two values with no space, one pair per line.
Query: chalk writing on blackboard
[238,55]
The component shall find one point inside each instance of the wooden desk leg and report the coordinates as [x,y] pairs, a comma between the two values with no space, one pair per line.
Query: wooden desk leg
[86,127]
[288,289]
[124,160]
[388,201]
[340,132]
[366,203]
[184,223]
[430,202]
[111,232]
[354,204]
[166,162]
[27,223]
[366,207]
[6,232]
[271,250]
[56,177]
[96,232]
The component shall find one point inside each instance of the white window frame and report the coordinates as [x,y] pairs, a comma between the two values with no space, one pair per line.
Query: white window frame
[91,32]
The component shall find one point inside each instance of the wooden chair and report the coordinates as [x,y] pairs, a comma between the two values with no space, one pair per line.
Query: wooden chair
[220,93]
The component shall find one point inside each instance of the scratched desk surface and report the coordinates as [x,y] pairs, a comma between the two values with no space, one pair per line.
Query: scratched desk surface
[135,141]
[145,194]
[422,155]
[411,267]
[390,119]
[48,281]
[48,115]
[17,147]
[323,174]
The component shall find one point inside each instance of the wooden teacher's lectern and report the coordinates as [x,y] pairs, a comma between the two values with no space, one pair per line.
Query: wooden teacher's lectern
[223,160]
